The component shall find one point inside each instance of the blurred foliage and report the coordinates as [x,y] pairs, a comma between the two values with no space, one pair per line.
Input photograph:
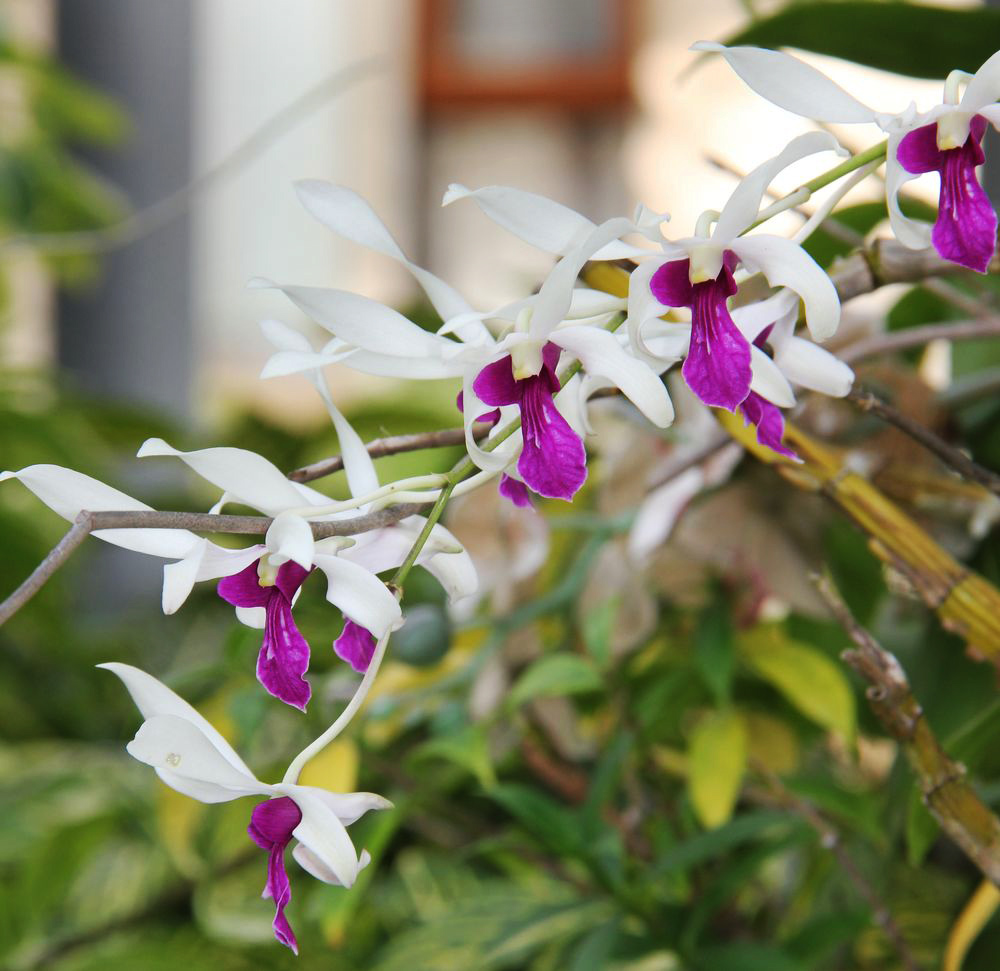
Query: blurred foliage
[44,187]
[604,766]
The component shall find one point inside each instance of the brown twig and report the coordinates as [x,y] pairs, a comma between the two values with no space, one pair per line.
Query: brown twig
[831,840]
[946,791]
[961,330]
[951,456]
[91,522]
[393,445]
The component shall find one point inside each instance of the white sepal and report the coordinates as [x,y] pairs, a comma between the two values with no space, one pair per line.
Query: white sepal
[912,233]
[805,364]
[290,537]
[791,84]
[361,596]
[785,264]
[743,206]
[601,354]
[69,493]
[542,222]
[245,475]
[768,381]
[152,697]
[325,837]
[205,561]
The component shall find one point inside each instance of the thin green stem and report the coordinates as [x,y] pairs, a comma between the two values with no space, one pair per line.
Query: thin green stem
[804,191]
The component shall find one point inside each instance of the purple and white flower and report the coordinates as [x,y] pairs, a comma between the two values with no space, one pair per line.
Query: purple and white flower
[699,274]
[192,757]
[377,340]
[946,140]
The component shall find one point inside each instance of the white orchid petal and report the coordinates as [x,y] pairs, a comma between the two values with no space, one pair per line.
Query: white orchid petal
[247,476]
[812,367]
[206,561]
[362,478]
[542,222]
[153,698]
[992,114]
[755,317]
[284,338]
[362,322]
[585,302]
[350,216]
[555,296]
[255,617]
[785,264]
[984,87]
[601,354]
[768,381]
[499,458]
[361,596]
[349,807]
[791,84]
[743,206]
[68,493]
[178,746]
[912,233]
[323,834]
[290,537]
[659,512]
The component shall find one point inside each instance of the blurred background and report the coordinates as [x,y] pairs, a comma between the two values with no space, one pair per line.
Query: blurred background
[148,152]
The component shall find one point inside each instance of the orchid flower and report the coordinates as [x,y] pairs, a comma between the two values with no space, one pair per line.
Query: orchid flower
[264,591]
[516,371]
[946,139]
[193,758]
[721,366]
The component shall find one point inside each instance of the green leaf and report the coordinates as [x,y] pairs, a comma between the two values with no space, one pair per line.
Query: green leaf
[598,626]
[747,957]
[717,758]
[810,681]
[713,649]
[557,827]
[553,676]
[468,748]
[920,41]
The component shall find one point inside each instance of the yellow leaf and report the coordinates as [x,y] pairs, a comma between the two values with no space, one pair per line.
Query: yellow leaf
[805,676]
[772,742]
[981,907]
[717,758]
[335,768]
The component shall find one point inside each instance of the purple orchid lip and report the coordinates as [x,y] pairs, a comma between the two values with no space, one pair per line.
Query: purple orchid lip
[717,367]
[271,826]
[769,422]
[553,461]
[356,646]
[965,231]
[284,653]
[515,490]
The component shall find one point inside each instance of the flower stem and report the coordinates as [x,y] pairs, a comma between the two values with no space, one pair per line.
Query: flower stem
[315,747]
[804,191]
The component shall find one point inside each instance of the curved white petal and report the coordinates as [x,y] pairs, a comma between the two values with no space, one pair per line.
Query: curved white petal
[290,537]
[349,807]
[153,698]
[910,232]
[362,479]
[284,338]
[496,459]
[322,833]
[768,381]
[359,594]
[743,206]
[555,296]
[984,88]
[812,367]
[255,617]
[601,354]
[659,511]
[992,114]
[178,747]
[785,264]
[542,222]
[347,214]
[753,318]
[206,561]
[360,321]
[69,493]
[791,84]
[247,476]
